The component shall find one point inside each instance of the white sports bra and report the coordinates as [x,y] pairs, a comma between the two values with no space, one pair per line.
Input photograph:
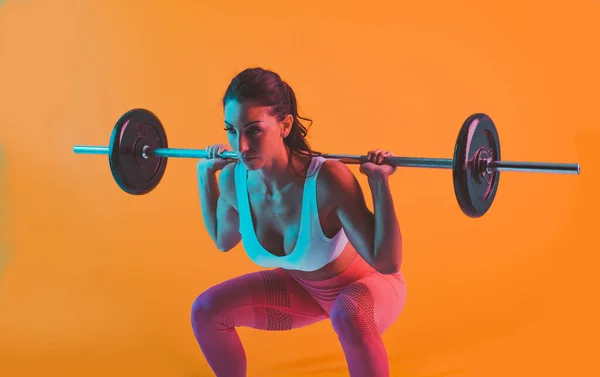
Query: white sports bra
[313,249]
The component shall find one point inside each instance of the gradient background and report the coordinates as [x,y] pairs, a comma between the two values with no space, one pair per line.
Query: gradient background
[95,282]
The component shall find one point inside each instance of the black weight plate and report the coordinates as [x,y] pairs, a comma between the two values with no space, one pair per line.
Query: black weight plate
[133,173]
[474,187]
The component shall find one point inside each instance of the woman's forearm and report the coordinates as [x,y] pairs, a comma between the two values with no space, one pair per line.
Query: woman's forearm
[209,194]
[388,238]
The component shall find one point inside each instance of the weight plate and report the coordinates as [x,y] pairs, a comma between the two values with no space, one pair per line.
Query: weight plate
[133,172]
[474,186]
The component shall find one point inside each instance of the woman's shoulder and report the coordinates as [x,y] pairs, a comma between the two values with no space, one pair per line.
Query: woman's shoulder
[335,180]
[335,172]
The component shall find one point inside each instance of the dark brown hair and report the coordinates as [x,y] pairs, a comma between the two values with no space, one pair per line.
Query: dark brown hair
[266,88]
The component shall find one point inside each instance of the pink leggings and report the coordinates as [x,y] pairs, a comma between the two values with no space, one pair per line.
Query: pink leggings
[360,302]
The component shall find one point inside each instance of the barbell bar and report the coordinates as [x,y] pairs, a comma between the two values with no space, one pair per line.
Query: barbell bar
[138,152]
[436,163]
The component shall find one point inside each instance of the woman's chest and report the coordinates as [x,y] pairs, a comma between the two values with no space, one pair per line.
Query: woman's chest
[277,220]
[277,213]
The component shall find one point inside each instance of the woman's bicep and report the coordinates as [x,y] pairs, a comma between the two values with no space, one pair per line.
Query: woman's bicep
[358,223]
[356,218]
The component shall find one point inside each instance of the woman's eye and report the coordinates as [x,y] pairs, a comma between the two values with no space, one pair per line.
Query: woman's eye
[230,130]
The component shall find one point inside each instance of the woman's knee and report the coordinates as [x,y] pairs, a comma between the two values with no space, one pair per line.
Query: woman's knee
[353,324]
[205,309]
[342,321]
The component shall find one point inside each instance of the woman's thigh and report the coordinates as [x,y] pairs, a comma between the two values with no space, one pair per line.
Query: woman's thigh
[267,300]
[374,301]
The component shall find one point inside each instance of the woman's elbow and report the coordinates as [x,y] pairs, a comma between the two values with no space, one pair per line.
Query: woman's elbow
[224,244]
[390,265]
[388,268]
[223,248]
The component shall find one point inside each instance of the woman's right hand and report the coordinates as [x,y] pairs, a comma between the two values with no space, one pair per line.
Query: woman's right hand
[213,162]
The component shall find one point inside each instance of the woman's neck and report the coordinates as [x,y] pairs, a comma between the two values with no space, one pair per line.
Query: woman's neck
[277,174]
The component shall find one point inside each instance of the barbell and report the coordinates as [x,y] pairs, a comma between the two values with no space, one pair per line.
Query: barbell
[138,152]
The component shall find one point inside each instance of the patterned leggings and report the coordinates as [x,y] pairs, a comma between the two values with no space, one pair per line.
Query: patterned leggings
[360,302]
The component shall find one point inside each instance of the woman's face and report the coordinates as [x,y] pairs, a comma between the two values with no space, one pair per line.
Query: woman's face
[254,134]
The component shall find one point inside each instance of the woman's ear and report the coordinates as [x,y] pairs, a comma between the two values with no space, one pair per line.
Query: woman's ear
[286,125]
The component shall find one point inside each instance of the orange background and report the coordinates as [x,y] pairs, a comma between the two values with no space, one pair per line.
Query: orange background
[95,282]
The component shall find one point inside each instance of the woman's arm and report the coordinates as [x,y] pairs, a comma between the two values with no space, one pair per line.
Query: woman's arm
[375,236]
[220,217]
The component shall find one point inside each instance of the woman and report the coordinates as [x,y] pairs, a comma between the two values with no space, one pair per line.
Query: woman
[303,218]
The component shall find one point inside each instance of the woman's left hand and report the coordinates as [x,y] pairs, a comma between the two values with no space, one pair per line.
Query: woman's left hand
[373,167]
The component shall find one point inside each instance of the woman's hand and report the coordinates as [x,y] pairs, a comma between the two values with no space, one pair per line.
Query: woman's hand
[373,167]
[213,162]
